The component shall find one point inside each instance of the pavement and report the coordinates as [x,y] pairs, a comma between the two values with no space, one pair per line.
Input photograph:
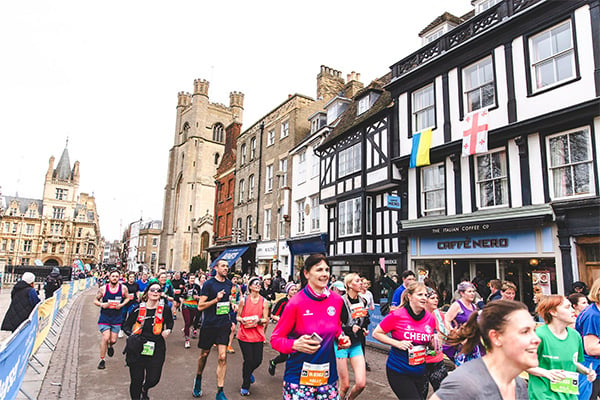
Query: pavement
[70,372]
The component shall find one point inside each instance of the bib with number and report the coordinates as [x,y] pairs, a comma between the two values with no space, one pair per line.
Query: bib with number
[314,374]
[416,355]
[358,310]
[148,349]
[222,308]
[569,385]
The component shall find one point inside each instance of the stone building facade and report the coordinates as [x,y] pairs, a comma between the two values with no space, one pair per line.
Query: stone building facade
[149,245]
[198,146]
[58,229]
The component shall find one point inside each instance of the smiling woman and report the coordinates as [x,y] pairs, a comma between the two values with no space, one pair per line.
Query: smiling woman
[508,332]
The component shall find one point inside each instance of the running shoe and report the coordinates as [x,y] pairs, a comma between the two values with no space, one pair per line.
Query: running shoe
[230,349]
[187,344]
[197,391]
[252,380]
[221,396]
[110,351]
[174,317]
[102,364]
[245,392]
[272,367]
[144,396]
[194,334]
[121,334]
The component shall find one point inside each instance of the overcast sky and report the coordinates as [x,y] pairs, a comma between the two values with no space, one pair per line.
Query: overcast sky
[106,75]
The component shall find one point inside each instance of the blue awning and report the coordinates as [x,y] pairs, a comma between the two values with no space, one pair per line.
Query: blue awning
[231,255]
[308,244]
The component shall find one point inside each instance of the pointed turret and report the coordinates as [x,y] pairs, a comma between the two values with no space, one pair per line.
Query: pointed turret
[63,169]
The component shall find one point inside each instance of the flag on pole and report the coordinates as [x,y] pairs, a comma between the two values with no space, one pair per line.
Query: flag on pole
[421,144]
[475,136]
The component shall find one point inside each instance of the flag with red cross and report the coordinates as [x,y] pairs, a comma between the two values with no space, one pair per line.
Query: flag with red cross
[475,136]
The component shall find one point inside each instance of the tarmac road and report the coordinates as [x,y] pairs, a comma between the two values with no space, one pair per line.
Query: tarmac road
[180,368]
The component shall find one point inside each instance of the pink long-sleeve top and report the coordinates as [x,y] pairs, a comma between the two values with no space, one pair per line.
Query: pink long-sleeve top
[305,314]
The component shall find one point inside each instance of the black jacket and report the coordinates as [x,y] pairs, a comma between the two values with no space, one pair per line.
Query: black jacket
[20,307]
[52,283]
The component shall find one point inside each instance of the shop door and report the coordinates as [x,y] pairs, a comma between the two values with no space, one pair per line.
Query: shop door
[484,272]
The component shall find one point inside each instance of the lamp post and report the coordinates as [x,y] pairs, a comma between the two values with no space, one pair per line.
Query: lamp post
[192,242]
[280,174]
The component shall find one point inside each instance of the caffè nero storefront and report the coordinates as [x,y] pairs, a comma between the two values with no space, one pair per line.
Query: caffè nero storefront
[523,252]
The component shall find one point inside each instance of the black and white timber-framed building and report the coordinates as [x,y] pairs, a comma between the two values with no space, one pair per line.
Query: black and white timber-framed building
[528,210]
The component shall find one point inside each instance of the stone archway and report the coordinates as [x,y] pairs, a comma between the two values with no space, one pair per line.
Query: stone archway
[51,262]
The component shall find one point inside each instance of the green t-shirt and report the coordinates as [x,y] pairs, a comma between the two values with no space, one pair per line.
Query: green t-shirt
[554,353]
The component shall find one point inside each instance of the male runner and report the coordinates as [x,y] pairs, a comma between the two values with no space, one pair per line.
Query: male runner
[111,298]
[216,326]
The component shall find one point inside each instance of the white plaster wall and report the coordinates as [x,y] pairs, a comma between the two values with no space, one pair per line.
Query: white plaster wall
[536,173]
[514,174]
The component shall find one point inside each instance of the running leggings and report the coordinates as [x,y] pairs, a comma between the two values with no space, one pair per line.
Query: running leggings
[145,373]
[406,386]
[253,356]
[434,374]
[281,358]
[189,313]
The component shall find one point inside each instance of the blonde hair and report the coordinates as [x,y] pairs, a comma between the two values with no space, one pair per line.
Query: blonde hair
[410,290]
[595,291]
[349,278]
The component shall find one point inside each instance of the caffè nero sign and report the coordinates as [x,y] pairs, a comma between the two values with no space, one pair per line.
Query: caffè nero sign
[478,243]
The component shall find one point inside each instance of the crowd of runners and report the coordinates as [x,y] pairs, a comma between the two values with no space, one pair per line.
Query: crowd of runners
[491,348]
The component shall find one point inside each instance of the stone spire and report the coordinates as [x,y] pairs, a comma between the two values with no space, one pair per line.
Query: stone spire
[63,169]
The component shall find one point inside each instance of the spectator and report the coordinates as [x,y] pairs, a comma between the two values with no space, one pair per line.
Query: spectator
[579,287]
[279,283]
[408,277]
[495,286]
[23,300]
[267,290]
[52,282]
[508,291]
[579,302]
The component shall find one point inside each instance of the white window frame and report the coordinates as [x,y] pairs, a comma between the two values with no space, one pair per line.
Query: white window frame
[315,165]
[363,105]
[269,178]
[571,166]
[301,218]
[283,164]
[315,214]
[495,180]
[421,108]
[58,212]
[242,190]
[435,188]
[249,227]
[267,224]
[349,217]
[27,245]
[243,150]
[61,194]
[285,129]
[480,86]
[252,148]
[271,138]
[554,56]
[369,215]
[251,187]
[349,160]
[29,229]
[302,167]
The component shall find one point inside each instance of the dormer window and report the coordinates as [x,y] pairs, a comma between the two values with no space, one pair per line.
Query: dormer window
[365,102]
[317,121]
[335,109]
[482,5]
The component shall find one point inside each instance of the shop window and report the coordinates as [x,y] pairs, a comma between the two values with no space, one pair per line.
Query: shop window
[433,193]
[570,164]
[492,180]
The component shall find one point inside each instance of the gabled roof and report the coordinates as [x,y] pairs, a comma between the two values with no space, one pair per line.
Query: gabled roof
[63,169]
[349,119]
[445,17]
[23,203]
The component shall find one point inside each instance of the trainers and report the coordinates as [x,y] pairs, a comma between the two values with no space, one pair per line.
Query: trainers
[245,392]
[194,334]
[252,380]
[174,317]
[197,391]
[144,396]
[102,364]
[272,368]
[367,367]
[221,396]
[121,334]
[230,349]
[187,344]
[110,351]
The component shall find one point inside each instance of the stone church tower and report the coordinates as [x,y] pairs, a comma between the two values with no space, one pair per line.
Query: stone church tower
[197,149]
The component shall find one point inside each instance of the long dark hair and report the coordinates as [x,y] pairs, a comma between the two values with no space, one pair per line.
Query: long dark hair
[494,316]
[310,262]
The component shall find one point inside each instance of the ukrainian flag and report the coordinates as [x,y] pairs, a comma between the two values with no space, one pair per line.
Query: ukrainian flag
[421,143]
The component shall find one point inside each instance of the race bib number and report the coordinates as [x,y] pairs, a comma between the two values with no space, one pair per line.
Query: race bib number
[130,296]
[113,304]
[314,374]
[148,349]
[416,355]
[569,385]
[190,293]
[222,308]
[358,311]
[177,291]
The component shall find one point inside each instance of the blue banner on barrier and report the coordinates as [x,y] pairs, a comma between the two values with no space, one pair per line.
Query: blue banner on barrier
[15,355]
[57,294]
[71,285]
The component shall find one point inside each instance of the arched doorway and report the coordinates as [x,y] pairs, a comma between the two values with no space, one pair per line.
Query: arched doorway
[51,262]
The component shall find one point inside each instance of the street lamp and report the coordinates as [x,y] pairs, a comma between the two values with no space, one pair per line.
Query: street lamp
[280,174]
